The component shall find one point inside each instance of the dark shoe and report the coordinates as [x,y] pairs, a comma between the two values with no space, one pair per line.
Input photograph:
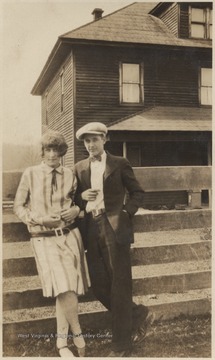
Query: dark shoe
[140,313]
[142,330]
[121,353]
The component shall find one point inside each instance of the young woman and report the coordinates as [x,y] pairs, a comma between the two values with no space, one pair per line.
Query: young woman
[44,202]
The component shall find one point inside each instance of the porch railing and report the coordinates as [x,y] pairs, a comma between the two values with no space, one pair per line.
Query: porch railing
[192,179]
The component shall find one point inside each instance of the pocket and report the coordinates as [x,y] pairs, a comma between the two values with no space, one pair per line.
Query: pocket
[125,229]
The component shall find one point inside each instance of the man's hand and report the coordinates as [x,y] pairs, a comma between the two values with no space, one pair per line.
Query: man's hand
[70,214]
[90,194]
[51,221]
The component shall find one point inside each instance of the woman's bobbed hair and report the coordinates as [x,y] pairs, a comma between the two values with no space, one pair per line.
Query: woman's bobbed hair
[54,139]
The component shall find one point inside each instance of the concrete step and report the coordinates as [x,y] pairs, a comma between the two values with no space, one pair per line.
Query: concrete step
[40,321]
[144,221]
[25,266]
[171,272]
[160,220]
[149,248]
[12,250]
[25,291]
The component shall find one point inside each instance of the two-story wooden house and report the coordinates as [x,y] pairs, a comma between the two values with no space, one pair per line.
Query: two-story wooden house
[148,77]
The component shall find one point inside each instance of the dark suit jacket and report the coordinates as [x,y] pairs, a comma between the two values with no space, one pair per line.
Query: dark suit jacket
[119,179]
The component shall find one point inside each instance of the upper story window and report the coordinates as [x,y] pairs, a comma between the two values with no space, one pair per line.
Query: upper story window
[206,86]
[201,23]
[62,91]
[131,83]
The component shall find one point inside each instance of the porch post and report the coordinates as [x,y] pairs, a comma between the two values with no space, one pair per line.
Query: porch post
[124,149]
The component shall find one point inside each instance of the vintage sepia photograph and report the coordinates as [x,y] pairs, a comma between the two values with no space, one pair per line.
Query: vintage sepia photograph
[107,179]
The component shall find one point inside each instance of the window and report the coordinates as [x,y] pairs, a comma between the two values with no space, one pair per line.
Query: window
[131,83]
[201,23]
[206,86]
[62,91]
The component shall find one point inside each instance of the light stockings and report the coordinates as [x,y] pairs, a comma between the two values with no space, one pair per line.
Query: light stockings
[67,315]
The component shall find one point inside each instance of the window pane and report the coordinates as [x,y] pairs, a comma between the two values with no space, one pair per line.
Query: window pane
[131,93]
[131,73]
[197,15]
[206,77]
[211,32]
[197,31]
[211,17]
[206,96]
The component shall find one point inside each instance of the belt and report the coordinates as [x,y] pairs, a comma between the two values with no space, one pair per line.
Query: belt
[55,232]
[97,212]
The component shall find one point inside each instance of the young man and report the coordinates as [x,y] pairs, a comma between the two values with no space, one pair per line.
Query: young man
[103,181]
[44,203]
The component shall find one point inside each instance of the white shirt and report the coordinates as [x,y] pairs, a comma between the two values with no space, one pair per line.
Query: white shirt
[96,178]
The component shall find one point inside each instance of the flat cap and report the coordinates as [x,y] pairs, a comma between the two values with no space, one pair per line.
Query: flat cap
[96,128]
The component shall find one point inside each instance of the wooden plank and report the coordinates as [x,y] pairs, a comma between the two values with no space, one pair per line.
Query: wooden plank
[174,178]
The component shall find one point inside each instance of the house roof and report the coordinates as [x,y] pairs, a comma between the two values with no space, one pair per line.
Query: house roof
[132,25]
[129,25]
[166,118]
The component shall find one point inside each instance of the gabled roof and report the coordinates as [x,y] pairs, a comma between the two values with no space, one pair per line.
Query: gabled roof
[167,118]
[131,25]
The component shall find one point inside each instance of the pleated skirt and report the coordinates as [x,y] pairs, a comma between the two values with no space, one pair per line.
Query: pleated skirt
[61,264]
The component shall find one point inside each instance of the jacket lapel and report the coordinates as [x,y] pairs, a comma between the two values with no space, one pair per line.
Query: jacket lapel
[110,166]
[85,172]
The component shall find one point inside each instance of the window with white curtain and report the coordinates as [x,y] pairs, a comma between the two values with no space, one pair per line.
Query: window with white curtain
[201,23]
[206,86]
[131,83]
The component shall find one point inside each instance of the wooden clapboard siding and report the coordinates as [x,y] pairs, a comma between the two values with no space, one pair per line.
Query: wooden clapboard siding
[170,18]
[97,87]
[176,83]
[169,79]
[58,120]
[153,200]
[92,86]
[184,21]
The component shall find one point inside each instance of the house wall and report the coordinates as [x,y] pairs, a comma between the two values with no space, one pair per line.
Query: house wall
[52,116]
[184,21]
[170,78]
[170,18]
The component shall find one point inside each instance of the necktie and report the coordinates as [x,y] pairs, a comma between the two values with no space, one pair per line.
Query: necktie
[53,183]
[96,158]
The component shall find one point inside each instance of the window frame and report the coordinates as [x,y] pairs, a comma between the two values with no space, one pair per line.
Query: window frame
[62,91]
[204,86]
[206,23]
[140,83]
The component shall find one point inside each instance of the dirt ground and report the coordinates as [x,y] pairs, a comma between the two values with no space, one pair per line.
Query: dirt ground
[186,337]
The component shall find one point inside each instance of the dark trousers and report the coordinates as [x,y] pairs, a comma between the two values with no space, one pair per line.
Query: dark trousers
[110,272]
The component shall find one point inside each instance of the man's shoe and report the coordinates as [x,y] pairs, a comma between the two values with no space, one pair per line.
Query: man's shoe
[142,330]
[121,353]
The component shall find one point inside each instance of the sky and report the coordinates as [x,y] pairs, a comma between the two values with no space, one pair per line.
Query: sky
[29,31]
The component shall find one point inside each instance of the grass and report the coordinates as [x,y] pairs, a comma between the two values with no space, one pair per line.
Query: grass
[181,337]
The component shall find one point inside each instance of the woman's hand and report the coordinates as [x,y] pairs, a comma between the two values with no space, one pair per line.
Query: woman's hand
[68,215]
[51,221]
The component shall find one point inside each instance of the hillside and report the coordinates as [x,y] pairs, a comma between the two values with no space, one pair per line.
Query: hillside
[18,157]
